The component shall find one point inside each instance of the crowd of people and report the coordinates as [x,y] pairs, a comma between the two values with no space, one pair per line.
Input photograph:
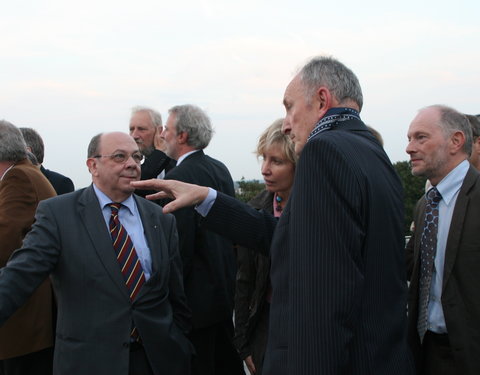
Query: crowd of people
[312,276]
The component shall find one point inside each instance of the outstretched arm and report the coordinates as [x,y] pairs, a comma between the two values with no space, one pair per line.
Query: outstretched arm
[183,194]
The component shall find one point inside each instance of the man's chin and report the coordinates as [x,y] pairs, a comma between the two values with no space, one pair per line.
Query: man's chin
[147,151]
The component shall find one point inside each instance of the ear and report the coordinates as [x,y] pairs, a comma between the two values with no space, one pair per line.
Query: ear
[182,137]
[92,166]
[323,100]
[457,141]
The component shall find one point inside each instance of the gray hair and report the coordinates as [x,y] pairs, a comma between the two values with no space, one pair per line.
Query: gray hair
[35,142]
[155,116]
[451,121]
[94,145]
[12,144]
[195,122]
[331,73]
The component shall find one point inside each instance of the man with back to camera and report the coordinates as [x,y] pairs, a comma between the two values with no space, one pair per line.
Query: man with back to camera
[26,338]
[62,184]
[115,269]
[443,252]
[145,127]
[338,266]
[209,264]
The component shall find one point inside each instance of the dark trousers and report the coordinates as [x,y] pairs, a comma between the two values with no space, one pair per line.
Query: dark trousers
[138,363]
[38,363]
[437,355]
[215,353]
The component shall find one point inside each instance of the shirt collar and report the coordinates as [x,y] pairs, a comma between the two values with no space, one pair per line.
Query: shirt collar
[452,182]
[105,200]
[182,158]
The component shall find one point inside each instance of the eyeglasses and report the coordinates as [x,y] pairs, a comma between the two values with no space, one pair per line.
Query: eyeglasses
[122,157]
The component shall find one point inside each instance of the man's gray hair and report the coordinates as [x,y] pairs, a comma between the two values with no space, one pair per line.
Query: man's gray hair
[155,116]
[12,144]
[332,74]
[195,122]
[35,142]
[451,121]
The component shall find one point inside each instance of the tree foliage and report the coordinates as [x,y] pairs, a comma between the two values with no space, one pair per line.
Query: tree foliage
[246,190]
[413,189]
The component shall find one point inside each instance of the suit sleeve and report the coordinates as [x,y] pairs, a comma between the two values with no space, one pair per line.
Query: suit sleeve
[241,223]
[17,208]
[30,265]
[326,269]
[181,312]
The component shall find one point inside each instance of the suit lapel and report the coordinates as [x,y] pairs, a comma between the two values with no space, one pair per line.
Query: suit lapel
[458,217]
[91,215]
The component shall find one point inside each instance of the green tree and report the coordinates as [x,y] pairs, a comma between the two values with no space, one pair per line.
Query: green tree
[413,189]
[246,190]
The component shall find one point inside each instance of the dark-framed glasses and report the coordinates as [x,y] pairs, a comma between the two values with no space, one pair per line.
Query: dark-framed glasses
[122,157]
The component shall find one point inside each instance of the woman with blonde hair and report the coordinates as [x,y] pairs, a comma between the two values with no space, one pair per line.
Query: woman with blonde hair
[253,290]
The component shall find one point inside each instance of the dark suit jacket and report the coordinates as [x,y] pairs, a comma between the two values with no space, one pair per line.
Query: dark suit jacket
[461,278]
[208,259]
[337,252]
[153,165]
[30,328]
[62,184]
[71,241]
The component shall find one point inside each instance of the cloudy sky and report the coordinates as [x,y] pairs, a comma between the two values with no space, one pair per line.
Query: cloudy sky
[73,69]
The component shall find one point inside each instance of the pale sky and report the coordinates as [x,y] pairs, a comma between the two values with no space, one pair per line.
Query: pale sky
[74,69]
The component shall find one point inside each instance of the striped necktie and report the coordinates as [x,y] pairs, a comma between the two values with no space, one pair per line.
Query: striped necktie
[127,258]
[428,249]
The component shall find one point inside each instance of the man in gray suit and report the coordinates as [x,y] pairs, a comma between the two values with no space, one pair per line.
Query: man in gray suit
[105,325]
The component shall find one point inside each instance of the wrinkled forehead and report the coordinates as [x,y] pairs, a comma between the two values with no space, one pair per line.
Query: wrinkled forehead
[111,142]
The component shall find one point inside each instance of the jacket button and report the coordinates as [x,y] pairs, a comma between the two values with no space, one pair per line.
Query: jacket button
[126,345]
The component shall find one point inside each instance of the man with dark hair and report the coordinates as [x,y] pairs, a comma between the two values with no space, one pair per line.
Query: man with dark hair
[145,128]
[443,252]
[26,338]
[474,158]
[338,263]
[115,269]
[208,260]
[60,183]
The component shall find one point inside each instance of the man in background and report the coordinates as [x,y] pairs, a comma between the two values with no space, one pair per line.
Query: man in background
[35,145]
[209,264]
[145,128]
[26,338]
[475,155]
[443,252]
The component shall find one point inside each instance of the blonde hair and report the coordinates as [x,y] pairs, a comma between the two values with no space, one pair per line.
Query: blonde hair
[273,136]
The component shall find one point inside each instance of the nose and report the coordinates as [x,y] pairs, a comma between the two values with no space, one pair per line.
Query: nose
[265,168]
[409,149]
[133,134]
[286,128]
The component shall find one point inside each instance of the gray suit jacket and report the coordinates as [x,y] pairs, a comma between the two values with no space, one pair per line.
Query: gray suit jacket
[460,293]
[70,241]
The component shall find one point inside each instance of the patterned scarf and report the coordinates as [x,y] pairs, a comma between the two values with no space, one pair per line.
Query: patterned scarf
[333,117]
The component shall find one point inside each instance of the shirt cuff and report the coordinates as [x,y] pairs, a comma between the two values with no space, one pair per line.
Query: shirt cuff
[204,207]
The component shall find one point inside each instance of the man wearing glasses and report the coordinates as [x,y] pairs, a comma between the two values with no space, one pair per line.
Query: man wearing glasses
[115,268]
